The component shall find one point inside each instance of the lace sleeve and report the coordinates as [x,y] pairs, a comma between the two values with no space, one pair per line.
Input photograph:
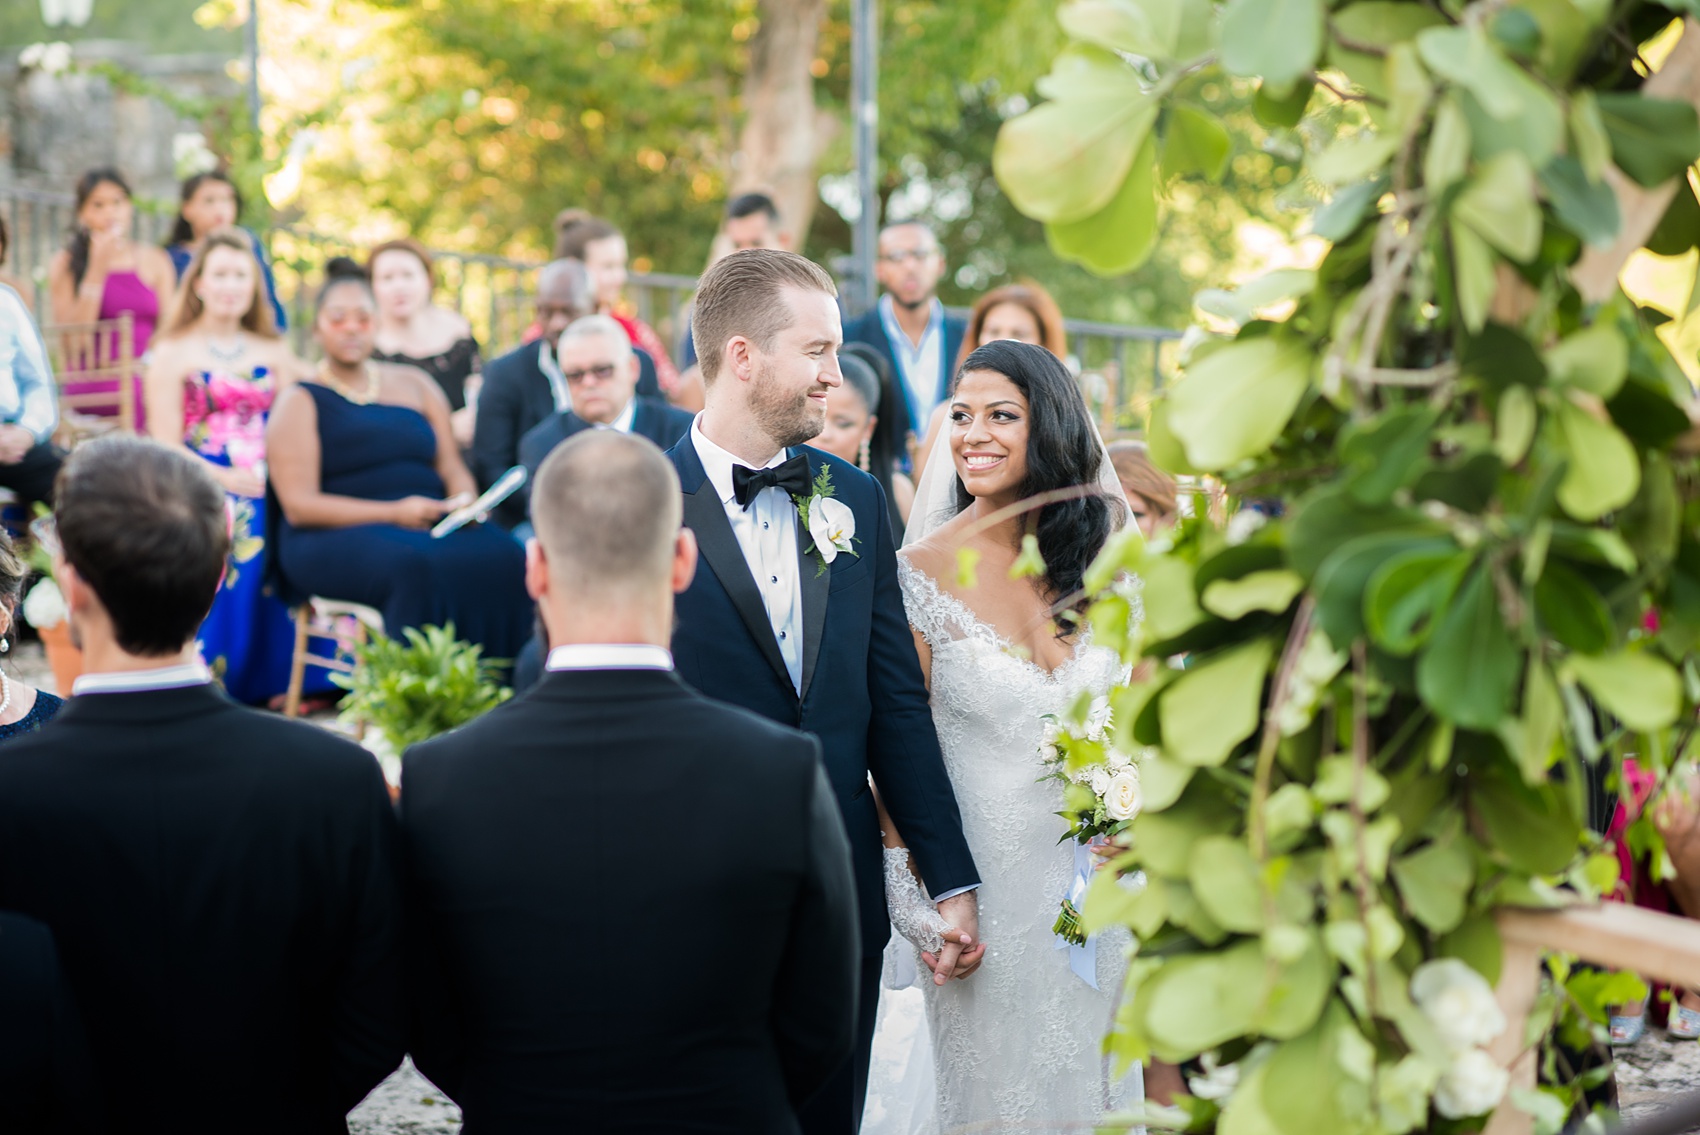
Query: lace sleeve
[940,617]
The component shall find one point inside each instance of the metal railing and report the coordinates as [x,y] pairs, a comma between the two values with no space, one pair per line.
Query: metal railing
[1120,366]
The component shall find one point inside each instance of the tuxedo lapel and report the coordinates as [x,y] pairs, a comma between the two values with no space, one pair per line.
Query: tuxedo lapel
[705,515]
[816,585]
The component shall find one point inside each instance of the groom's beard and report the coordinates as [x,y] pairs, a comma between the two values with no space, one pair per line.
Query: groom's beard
[789,419]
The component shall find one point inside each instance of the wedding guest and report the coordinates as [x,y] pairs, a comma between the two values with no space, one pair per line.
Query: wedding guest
[6,278]
[601,248]
[45,1077]
[858,429]
[222,883]
[361,461]
[23,708]
[1025,313]
[208,202]
[102,274]
[751,221]
[909,325]
[716,1002]
[218,366]
[1151,493]
[29,410]
[417,332]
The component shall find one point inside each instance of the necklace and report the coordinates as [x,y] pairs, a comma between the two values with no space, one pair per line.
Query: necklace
[362,397]
[6,690]
[227,354]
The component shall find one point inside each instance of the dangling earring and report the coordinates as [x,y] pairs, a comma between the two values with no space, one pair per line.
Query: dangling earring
[862,461]
[5,642]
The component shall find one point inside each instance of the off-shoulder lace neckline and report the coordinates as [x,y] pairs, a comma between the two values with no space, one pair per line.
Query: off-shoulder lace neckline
[932,595]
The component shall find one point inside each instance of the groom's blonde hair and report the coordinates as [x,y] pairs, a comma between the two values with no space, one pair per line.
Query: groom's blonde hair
[606,509]
[744,294]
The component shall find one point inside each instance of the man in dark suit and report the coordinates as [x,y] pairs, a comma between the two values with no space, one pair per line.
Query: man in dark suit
[523,387]
[804,625]
[45,1081]
[570,978]
[222,884]
[908,324]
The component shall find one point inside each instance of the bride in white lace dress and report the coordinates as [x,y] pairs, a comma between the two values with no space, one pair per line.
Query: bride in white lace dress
[1019,1041]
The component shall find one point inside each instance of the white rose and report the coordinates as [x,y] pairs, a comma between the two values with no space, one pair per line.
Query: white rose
[1243,523]
[1459,1002]
[1121,798]
[1048,750]
[1473,1084]
[44,606]
[1117,760]
[1099,779]
[1218,1081]
[832,525]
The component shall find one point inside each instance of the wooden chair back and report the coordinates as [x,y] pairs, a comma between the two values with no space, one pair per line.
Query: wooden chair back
[102,354]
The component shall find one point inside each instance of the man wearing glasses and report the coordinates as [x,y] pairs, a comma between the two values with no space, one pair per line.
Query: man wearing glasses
[909,323]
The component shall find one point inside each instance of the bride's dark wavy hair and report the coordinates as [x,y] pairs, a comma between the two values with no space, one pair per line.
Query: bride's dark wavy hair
[1063,452]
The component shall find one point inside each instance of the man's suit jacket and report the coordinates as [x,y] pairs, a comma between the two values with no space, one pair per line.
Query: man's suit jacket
[869,328]
[223,887]
[516,395]
[44,1073]
[863,694]
[652,418]
[633,911]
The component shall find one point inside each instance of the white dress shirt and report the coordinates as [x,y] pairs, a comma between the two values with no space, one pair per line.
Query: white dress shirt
[610,656]
[622,422]
[921,364]
[767,533]
[135,681]
[551,369]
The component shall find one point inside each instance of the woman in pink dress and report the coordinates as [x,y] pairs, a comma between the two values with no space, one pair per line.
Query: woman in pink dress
[217,365]
[103,274]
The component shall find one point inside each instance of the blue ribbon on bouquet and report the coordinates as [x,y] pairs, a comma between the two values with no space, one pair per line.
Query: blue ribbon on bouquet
[1083,960]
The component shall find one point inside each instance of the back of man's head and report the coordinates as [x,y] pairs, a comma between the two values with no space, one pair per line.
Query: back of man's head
[606,509]
[743,294]
[145,527]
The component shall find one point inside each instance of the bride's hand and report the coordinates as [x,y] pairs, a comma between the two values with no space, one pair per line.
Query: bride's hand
[963,951]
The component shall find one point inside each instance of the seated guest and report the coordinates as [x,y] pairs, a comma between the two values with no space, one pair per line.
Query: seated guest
[524,386]
[361,459]
[1151,493]
[601,248]
[23,708]
[416,331]
[210,201]
[221,882]
[6,278]
[536,1008]
[859,429]
[44,1071]
[29,410]
[601,374]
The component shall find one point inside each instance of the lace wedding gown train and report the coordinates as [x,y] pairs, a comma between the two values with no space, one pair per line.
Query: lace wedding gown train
[1020,1041]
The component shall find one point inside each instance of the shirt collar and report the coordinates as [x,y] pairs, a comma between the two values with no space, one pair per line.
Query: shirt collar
[900,337]
[623,421]
[135,681]
[717,463]
[552,371]
[610,656]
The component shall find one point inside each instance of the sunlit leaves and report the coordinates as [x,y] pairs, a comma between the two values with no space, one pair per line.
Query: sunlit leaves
[1120,236]
[1195,142]
[1215,705]
[1236,401]
[1499,205]
[1640,689]
[1278,40]
[1602,473]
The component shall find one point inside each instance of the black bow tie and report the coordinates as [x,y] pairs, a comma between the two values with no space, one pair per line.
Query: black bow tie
[792,476]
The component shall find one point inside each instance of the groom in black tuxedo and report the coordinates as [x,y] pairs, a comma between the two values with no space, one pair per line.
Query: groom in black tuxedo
[570,976]
[222,883]
[805,625]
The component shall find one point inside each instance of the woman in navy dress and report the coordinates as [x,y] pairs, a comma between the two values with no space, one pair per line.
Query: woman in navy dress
[23,709]
[362,464]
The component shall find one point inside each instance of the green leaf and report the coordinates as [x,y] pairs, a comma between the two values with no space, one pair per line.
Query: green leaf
[1652,140]
[1162,780]
[1499,204]
[1469,671]
[1224,877]
[1211,708]
[1538,729]
[1448,155]
[1244,1112]
[1120,236]
[1570,610]
[1531,826]
[1590,142]
[1638,688]
[1272,591]
[1282,109]
[1594,359]
[1382,24]
[1587,208]
[1353,158]
[1235,403]
[1065,160]
[1385,452]
[1342,581]
[1148,28]
[1170,602]
[1435,883]
[1242,304]
[1467,57]
[1195,143]
[1679,228]
[1199,1001]
[1514,424]
[1336,220]
[1476,942]
[1029,564]
[1473,269]
[1602,473]
[1167,453]
[1277,40]
[1407,592]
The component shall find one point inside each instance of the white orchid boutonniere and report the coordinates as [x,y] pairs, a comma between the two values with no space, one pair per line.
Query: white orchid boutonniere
[830,523]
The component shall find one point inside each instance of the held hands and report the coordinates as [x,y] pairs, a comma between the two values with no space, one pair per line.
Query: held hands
[15,441]
[419,512]
[962,952]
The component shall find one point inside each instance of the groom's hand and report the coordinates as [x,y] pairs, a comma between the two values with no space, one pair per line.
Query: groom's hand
[963,951]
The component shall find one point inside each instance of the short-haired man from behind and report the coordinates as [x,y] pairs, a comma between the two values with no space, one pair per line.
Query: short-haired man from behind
[567,978]
[221,883]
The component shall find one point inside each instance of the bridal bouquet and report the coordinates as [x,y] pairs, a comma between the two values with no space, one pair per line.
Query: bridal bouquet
[1100,786]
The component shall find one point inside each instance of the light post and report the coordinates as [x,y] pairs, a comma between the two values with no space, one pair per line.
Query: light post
[865,114]
[253,47]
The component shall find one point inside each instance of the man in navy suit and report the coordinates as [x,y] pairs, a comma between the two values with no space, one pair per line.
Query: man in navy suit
[909,324]
[803,625]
